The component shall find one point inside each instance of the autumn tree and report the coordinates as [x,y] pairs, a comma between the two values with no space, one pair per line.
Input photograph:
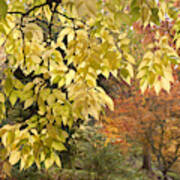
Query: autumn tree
[151,120]
[52,53]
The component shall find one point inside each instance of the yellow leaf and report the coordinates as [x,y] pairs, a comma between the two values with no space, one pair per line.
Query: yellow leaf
[109,102]
[33,31]
[66,31]
[51,99]
[143,64]
[178,43]
[165,84]
[144,86]
[8,86]
[141,73]
[168,74]
[162,10]
[42,156]
[86,8]
[47,12]
[4,137]
[28,103]
[130,58]
[2,98]
[14,157]
[130,70]
[57,160]
[145,13]
[70,77]
[10,137]
[13,98]
[38,164]
[91,81]
[61,82]
[122,36]
[115,73]
[36,59]
[125,41]
[23,160]
[58,146]
[106,73]
[94,112]
[148,55]
[49,162]
[28,86]
[18,84]
[7,168]
[44,93]
[157,87]
[91,5]
[29,162]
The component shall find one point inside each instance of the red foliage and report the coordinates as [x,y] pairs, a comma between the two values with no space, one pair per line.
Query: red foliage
[164,29]
[135,113]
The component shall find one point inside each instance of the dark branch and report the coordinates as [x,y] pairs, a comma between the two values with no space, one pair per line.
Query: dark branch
[29,11]
[51,21]
[70,18]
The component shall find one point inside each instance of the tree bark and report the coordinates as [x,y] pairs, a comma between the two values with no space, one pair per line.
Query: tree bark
[146,164]
[165,175]
[146,158]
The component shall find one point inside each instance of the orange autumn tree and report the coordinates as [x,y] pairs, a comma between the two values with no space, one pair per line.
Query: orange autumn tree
[150,119]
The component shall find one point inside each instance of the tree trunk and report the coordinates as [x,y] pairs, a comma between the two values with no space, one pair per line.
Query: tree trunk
[146,164]
[165,175]
[146,158]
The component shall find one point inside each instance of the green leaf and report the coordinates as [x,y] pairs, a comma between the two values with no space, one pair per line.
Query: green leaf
[8,86]
[134,3]
[124,72]
[135,14]
[3,9]
[151,78]
[122,18]
[144,13]
[155,16]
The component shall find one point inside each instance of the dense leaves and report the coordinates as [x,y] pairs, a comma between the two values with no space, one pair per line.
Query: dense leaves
[52,53]
[151,120]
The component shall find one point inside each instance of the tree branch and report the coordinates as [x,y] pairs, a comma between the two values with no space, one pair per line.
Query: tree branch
[29,11]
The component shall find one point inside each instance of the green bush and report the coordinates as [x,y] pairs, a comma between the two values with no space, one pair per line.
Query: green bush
[87,158]
[89,155]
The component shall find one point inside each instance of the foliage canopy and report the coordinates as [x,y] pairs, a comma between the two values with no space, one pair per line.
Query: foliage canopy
[52,52]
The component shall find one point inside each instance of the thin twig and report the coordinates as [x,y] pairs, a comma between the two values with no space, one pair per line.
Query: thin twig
[51,21]
[70,18]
